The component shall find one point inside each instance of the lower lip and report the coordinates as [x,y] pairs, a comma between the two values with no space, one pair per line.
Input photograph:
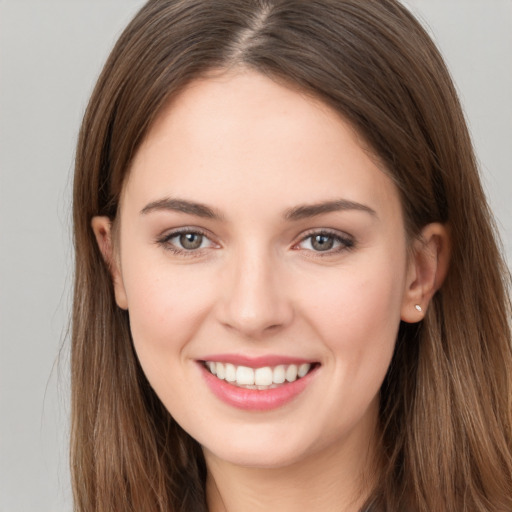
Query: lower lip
[254,399]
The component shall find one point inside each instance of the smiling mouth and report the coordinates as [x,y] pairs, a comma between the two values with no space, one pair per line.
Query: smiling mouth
[266,377]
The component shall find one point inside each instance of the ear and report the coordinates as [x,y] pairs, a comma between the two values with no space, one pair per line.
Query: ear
[427,269]
[102,227]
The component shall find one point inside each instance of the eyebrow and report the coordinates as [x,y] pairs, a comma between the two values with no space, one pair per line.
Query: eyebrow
[292,214]
[182,206]
[312,210]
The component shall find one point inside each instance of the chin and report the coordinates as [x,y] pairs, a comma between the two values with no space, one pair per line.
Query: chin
[256,448]
[260,459]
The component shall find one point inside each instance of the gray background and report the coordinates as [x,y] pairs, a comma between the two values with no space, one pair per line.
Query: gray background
[50,55]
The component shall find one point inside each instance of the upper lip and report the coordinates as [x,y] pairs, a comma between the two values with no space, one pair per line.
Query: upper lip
[256,362]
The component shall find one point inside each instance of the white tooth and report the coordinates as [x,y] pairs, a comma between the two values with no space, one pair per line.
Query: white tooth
[263,376]
[212,366]
[230,372]
[278,375]
[220,370]
[244,376]
[291,373]
[304,369]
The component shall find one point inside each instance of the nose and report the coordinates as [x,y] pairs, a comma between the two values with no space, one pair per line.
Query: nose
[255,302]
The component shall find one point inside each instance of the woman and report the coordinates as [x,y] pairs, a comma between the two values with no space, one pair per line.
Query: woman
[288,290]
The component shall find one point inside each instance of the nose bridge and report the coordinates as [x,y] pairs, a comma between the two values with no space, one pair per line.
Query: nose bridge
[255,302]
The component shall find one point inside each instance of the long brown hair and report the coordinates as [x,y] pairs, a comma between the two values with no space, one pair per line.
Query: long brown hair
[446,403]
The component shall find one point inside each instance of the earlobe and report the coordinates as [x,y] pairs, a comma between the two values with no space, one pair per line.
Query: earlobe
[428,266]
[102,228]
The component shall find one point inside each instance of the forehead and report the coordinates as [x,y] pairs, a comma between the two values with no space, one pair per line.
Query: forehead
[244,134]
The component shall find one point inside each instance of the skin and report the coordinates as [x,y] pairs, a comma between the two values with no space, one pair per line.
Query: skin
[253,150]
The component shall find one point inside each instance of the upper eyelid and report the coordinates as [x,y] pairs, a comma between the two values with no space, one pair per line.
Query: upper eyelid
[326,231]
[167,235]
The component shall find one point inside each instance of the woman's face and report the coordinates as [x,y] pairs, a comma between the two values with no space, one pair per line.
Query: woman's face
[260,241]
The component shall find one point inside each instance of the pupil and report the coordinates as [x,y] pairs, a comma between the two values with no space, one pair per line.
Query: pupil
[323,242]
[191,241]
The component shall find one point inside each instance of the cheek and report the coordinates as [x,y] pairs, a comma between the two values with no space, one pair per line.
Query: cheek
[165,307]
[166,311]
[357,312]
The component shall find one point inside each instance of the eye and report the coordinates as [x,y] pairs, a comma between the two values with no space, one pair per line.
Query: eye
[190,241]
[185,241]
[325,241]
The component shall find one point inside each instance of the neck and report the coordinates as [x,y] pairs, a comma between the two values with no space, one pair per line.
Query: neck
[339,478]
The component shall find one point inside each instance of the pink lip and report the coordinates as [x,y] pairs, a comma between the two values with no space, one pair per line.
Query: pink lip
[255,362]
[254,399]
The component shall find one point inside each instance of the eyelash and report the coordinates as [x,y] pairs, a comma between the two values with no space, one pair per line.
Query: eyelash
[345,242]
[165,242]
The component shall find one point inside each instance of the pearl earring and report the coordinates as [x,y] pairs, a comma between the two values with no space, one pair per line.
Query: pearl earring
[418,308]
